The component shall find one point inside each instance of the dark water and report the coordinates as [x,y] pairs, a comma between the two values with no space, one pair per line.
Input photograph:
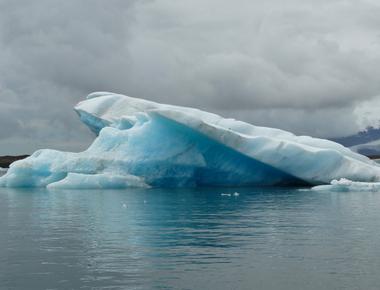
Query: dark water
[189,239]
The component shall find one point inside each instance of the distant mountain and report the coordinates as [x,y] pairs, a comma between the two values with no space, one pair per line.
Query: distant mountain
[366,142]
[5,161]
[368,149]
[368,135]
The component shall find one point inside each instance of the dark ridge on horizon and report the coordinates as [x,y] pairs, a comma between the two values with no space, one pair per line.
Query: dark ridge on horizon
[5,161]
[368,135]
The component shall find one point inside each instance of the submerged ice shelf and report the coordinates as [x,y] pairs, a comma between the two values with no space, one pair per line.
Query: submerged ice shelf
[142,144]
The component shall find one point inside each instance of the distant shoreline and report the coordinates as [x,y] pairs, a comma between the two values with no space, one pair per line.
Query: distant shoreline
[6,160]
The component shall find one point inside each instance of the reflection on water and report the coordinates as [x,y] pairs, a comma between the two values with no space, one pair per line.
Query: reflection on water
[189,239]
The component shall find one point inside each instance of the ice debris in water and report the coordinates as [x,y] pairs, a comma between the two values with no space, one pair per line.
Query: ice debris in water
[145,144]
[344,184]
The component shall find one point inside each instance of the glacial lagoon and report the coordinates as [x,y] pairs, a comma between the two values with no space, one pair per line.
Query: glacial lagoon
[205,238]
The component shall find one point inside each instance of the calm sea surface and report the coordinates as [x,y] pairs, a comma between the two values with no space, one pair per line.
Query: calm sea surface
[189,239]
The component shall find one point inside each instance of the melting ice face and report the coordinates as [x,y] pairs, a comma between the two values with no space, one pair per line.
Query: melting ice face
[142,143]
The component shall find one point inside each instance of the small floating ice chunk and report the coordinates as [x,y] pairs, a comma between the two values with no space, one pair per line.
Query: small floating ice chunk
[236,193]
[344,184]
[225,194]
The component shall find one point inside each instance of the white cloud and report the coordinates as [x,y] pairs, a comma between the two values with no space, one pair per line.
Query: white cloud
[306,66]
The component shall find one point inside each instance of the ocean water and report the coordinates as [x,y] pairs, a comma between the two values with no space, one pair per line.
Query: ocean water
[262,238]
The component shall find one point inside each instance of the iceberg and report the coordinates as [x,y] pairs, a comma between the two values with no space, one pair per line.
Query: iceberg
[141,143]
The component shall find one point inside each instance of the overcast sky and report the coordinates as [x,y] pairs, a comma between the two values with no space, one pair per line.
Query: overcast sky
[311,67]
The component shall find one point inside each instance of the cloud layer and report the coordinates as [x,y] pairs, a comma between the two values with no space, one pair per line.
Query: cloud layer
[311,67]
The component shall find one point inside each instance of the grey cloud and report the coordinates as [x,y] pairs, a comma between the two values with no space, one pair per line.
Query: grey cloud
[305,66]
